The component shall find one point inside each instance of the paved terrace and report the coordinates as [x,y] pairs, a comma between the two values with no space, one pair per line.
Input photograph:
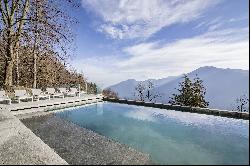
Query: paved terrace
[18,144]
[47,105]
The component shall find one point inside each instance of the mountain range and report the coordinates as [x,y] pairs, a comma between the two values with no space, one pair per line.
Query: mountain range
[223,86]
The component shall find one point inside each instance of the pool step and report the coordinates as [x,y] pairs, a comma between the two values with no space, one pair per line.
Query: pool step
[49,105]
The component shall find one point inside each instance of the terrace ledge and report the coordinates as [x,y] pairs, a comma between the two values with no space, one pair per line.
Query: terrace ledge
[208,111]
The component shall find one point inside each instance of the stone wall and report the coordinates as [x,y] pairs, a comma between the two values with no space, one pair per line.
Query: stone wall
[208,111]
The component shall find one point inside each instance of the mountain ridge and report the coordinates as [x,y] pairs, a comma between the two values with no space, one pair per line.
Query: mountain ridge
[223,86]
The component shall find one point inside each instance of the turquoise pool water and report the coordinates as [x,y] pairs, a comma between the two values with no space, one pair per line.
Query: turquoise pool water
[170,137]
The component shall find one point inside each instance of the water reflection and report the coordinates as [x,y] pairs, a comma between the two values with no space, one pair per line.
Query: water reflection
[170,137]
[99,109]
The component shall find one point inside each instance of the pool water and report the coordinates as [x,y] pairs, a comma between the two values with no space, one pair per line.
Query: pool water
[168,136]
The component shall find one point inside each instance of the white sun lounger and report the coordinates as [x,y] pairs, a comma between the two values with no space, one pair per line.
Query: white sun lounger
[22,95]
[83,92]
[4,97]
[63,90]
[38,94]
[53,93]
[73,92]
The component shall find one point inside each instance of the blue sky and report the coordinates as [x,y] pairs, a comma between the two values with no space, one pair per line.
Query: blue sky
[141,39]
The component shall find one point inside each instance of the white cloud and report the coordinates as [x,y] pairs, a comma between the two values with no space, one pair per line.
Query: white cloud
[226,49]
[214,24]
[221,49]
[142,18]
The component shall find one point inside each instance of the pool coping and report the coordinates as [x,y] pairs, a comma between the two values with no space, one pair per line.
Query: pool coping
[208,111]
[19,145]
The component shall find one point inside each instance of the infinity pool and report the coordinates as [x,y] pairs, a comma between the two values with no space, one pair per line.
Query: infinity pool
[170,137]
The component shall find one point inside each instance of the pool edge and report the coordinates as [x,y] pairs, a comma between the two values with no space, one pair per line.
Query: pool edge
[207,111]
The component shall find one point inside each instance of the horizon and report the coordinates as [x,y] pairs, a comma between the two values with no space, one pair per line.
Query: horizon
[174,75]
[120,40]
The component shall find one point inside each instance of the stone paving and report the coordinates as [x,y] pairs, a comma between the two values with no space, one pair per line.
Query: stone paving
[80,146]
[19,145]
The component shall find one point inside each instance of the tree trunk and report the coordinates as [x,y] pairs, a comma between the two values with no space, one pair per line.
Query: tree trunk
[12,36]
[9,60]
[35,69]
[86,87]
[8,76]
[17,65]
[35,62]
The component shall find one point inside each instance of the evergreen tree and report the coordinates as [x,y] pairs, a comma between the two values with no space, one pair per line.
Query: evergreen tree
[199,92]
[185,90]
[190,93]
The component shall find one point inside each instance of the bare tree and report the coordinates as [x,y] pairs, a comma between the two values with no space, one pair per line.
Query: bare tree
[139,91]
[40,25]
[50,29]
[144,91]
[242,104]
[150,94]
[109,93]
[13,16]
[36,40]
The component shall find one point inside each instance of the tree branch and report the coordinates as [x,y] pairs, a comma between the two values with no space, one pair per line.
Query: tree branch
[3,14]
[24,12]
